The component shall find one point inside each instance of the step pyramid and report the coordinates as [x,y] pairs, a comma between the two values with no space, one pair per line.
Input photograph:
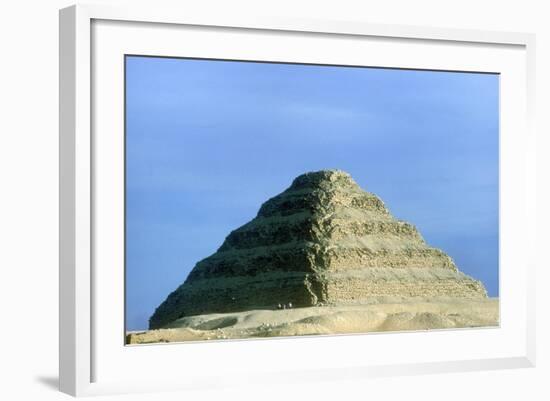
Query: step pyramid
[322,241]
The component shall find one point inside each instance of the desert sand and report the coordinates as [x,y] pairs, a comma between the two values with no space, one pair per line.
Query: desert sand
[389,315]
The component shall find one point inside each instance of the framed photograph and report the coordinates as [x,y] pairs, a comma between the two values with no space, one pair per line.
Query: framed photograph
[294,199]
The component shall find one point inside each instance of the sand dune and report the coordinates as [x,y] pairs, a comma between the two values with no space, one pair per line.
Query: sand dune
[392,315]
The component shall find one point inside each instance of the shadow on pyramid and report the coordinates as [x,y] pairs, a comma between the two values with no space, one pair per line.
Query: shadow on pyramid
[323,241]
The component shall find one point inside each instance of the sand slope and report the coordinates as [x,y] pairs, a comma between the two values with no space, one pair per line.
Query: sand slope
[393,315]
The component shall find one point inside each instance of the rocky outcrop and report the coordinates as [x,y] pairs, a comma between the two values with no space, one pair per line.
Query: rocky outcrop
[323,241]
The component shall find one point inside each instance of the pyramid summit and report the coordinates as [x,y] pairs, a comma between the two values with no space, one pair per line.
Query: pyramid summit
[322,241]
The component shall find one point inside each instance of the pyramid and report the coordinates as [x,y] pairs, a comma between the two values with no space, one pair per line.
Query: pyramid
[322,241]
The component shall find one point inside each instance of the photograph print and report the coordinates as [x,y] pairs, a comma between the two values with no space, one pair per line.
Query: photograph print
[268,200]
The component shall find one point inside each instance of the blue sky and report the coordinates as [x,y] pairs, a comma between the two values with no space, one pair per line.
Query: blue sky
[207,142]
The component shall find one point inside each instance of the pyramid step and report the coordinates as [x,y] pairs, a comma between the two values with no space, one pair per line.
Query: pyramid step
[268,290]
[305,227]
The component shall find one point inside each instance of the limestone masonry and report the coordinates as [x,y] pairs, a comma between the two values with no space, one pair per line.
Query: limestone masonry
[323,241]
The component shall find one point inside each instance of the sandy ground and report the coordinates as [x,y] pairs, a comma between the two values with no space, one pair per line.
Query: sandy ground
[400,315]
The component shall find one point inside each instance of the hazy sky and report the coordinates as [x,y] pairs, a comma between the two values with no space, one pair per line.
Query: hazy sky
[208,141]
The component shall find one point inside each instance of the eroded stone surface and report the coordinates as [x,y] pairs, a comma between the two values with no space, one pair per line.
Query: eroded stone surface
[323,241]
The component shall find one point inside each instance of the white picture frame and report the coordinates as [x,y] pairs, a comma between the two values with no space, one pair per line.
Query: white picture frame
[82,324]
